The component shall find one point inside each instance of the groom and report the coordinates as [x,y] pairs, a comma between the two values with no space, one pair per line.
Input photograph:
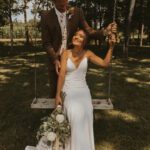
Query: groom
[58,27]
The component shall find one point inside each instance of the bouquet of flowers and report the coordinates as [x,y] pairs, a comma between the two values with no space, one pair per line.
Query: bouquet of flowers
[55,128]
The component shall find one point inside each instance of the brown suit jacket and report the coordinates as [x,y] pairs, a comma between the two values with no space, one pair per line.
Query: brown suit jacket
[51,31]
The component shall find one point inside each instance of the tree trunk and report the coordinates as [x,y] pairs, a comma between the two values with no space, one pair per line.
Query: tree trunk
[100,15]
[141,37]
[11,29]
[148,37]
[26,24]
[127,34]
[47,5]
[37,6]
[139,29]
[142,22]
[133,36]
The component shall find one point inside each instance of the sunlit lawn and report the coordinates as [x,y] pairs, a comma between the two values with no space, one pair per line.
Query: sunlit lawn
[127,127]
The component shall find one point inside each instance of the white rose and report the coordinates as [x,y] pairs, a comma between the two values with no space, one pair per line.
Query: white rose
[59,108]
[60,118]
[45,133]
[51,136]
[45,125]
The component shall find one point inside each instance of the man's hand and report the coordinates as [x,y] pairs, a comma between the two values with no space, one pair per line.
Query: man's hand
[112,40]
[111,28]
[57,66]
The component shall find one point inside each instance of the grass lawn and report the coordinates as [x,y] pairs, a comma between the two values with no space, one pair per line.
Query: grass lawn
[127,127]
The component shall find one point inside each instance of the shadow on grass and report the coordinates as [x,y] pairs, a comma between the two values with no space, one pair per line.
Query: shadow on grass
[124,128]
[127,126]
[18,122]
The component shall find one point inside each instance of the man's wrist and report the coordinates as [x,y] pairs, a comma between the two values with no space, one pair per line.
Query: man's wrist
[105,32]
[55,58]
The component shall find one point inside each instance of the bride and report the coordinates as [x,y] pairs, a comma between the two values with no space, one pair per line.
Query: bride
[78,102]
[72,81]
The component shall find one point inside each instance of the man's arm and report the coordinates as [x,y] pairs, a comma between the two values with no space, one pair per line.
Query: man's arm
[99,34]
[46,38]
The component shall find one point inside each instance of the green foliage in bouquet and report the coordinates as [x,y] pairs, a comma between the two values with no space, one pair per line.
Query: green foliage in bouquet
[54,126]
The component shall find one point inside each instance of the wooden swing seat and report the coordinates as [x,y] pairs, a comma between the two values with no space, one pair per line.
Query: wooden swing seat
[49,103]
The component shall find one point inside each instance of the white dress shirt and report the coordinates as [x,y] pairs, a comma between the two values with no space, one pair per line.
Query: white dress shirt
[63,25]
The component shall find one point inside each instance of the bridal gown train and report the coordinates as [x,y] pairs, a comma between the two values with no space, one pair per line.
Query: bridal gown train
[78,107]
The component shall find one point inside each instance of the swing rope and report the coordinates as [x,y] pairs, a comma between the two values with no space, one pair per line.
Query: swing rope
[110,67]
[35,76]
[114,10]
[35,62]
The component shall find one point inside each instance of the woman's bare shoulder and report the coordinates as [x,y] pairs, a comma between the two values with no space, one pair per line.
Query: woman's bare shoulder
[88,53]
[66,53]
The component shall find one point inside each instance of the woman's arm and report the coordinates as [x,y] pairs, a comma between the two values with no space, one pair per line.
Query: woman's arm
[61,78]
[103,62]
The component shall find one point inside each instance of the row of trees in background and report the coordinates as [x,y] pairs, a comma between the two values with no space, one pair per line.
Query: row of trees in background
[8,8]
[137,10]
[132,16]
[19,31]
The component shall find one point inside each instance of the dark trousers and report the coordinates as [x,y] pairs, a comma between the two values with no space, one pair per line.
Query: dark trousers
[52,81]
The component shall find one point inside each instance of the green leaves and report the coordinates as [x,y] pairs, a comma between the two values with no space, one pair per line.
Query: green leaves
[56,124]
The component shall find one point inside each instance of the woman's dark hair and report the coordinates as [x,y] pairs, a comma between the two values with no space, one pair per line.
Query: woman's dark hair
[70,45]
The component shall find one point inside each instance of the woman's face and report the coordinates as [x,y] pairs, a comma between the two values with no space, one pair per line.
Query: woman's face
[79,38]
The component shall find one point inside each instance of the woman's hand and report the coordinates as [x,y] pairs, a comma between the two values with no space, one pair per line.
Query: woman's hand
[58,100]
[111,29]
[112,40]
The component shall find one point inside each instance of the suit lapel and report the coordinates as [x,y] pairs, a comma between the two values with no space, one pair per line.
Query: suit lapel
[57,25]
[68,24]
[56,22]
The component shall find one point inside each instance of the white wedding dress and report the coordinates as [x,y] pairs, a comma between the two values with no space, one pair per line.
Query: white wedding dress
[78,107]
